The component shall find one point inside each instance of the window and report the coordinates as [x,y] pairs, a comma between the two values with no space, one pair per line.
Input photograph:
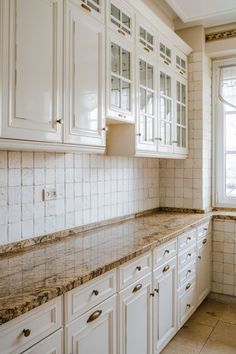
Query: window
[225,131]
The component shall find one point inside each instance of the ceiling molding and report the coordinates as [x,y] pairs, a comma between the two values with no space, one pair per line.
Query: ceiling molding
[220,35]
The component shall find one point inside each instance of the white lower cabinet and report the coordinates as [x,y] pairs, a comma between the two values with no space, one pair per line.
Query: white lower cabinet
[135,323]
[165,304]
[94,332]
[51,345]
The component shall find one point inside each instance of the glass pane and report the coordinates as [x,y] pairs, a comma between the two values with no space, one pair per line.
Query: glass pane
[183,115]
[142,33]
[162,48]
[125,97]
[142,71]
[115,12]
[168,52]
[150,129]
[143,100]
[94,5]
[115,58]
[125,64]
[178,90]
[177,60]
[163,132]
[168,134]
[115,92]
[230,132]
[178,136]
[150,103]
[168,86]
[150,76]
[168,110]
[142,127]
[162,108]
[183,137]
[183,93]
[178,113]
[149,38]
[126,20]
[183,64]
[230,175]
[162,83]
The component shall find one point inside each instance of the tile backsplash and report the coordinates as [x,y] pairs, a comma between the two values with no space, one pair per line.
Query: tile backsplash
[89,188]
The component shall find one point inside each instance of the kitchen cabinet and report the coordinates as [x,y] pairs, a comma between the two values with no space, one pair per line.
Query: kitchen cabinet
[120,18]
[135,321]
[180,142]
[93,332]
[50,345]
[165,304]
[32,70]
[146,37]
[181,63]
[165,52]
[95,8]
[84,78]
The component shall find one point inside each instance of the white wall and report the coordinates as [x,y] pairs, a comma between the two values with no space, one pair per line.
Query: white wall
[90,188]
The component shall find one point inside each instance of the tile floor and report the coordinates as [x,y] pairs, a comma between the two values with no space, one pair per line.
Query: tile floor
[211,330]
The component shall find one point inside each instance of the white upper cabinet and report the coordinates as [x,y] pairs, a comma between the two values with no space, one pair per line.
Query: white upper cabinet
[120,79]
[120,18]
[146,39]
[166,114]
[32,69]
[181,63]
[84,78]
[93,7]
[147,112]
[180,141]
[166,54]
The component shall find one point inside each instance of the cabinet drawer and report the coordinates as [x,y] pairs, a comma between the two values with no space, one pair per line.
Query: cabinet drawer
[164,268]
[187,257]
[203,230]
[23,332]
[134,270]
[186,303]
[163,253]
[186,273]
[186,240]
[51,345]
[83,298]
[204,241]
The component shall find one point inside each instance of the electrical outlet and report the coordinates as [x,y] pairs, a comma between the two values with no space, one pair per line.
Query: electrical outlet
[49,193]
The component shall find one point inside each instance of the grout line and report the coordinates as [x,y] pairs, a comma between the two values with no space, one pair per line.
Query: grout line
[213,328]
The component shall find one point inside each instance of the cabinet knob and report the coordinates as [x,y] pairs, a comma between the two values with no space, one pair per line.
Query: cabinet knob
[189,238]
[152,294]
[205,229]
[105,129]
[160,139]
[60,121]
[26,332]
[138,134]
[189,254]
[204,241]
[86,7]
[199,257]
[121,115]
[188,306]
[95,292]
[189,271]
[156,290]
[139,268]
[167,251]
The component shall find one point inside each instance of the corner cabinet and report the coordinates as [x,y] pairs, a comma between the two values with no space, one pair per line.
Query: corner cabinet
[32,69]
[84,78]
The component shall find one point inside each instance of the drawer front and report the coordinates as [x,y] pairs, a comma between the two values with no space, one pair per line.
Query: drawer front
[186,304]
[185,274]
[163,253]
[134,270]
[83,298]
[187,257]
[203,230]
[204,241]
[164,268]
[186,240]
[51,345]
[23,332]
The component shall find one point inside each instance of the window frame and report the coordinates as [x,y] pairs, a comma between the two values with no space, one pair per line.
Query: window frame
[220,199]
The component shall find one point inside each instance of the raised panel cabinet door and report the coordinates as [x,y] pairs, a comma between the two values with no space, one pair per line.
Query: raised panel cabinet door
[32,69]
[94,332]
[84,78]
[165,304]
[135,325]
[51,345]
[204,265]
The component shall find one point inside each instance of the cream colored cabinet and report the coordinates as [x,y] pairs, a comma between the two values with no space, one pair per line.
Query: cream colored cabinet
[204,268]
[181,63]
[135,323]
[50,345]
[93,332]
[95,8]
[120,18]
[165,304]
[84,78]
[165,52]
[32,39]
[181,126]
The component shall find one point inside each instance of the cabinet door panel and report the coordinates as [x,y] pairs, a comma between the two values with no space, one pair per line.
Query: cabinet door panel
[204,266]
[180,145]
[135,318]
[51,345]
[84,67]
[32,64]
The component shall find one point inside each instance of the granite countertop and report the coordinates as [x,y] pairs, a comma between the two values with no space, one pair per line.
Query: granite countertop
[40,273]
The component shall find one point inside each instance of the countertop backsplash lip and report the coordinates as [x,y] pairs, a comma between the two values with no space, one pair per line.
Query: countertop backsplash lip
[47,270]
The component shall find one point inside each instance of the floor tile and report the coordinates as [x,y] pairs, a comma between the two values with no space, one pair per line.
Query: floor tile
[229,314]
[213,347]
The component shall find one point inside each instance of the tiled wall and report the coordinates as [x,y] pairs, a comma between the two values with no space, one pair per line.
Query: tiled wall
[187,183]
[224,257]
[89,188]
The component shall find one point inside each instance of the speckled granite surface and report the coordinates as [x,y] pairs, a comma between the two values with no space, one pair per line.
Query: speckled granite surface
[31,278]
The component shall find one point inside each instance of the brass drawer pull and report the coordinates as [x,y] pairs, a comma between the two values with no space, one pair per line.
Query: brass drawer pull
[94,316]
[139,268]
[105,129]
[166,62]
[204,241]
[188,286]
[86,7]
[137,288]
[166,268]
[152,294]
[181,72]
[95,292]
[121,32]
[147,50]
[26,332]
[60,121]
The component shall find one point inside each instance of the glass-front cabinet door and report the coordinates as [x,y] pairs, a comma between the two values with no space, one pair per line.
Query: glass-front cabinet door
[94,8]
[120,84]
[146,127]
[181,64]
[165,53]
[181,117]
[166,121]
[120,18]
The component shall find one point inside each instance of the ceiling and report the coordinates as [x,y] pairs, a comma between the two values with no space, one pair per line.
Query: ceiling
[203,12]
